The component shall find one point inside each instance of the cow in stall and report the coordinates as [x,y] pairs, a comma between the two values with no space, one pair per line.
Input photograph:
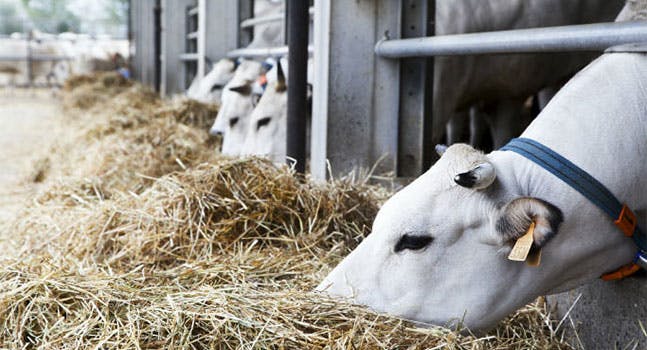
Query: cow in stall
[237,104]
[208,89]
[491,89]
[437,251]
[267,131]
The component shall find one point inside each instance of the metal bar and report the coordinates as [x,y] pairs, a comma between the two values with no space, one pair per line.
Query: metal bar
[251,22]
[201,37]
[298,27]
[35,58]
[192,35]
[585,37]
[30,59]
[416,84]
[245,11]
[194,11]
[157,45]
[319,125]
[191,56]
[262,52]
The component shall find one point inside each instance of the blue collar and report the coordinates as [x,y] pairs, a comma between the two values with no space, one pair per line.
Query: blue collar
[587,185]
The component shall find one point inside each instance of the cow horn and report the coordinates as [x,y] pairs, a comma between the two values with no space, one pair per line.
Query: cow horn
[280,78]
[479,177]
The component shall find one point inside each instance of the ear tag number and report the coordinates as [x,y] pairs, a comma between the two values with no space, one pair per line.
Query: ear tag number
[522,246]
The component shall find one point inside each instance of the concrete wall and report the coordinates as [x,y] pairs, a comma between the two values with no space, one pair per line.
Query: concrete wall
[362,111]
[221,28]
[608,315]
[143,36]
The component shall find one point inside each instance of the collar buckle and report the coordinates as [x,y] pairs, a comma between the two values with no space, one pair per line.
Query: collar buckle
[626,221]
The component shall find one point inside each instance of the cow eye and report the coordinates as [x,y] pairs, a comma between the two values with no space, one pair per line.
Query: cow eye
[217,87]
[412,242]
[262,122]
[233,122]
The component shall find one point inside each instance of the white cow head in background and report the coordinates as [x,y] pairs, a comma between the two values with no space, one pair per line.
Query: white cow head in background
[437,251]
[237,104]
[209,88]
[266,135]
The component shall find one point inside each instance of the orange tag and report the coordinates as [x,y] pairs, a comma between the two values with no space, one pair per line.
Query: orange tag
[522,246]
[626,221]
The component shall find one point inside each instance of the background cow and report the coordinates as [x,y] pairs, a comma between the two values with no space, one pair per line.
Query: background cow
[209,88]
[237,104]
[498,85]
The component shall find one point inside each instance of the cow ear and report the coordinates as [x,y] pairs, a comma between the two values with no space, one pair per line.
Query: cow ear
[281,86]
[479,177]
[513,220]
[244,89]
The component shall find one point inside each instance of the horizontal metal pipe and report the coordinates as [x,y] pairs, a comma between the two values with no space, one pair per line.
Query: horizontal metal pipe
[191,56]
[262,52]
[265,19]
[35,58]
[584,37]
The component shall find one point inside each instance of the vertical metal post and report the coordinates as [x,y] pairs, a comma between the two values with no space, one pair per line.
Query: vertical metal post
[245,11]
[202,38]
[30,73]
[429,155]
[157,45]
[129,30]
[416,84]
[298,24]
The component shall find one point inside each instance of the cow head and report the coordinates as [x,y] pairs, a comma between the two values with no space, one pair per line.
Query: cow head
[209,89]
[237,105]
[438,248]
[266,135]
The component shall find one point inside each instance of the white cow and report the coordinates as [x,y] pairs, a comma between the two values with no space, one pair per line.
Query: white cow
[437,252]
[237,104]
[267,133]
[267,130]
[209,88]
[501,83]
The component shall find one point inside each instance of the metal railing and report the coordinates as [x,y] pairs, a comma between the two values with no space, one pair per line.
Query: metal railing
[584,37]
[35,58]
[250,22]
[262,52]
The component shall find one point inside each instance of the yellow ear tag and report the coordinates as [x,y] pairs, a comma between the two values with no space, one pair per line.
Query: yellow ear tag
[522,246]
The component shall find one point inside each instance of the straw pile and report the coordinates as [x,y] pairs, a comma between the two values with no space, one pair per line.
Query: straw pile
[121,135]
[221,255]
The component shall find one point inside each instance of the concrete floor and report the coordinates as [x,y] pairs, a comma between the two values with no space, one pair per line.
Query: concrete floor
[28,120]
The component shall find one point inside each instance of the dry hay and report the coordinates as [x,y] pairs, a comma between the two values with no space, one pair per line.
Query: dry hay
[86,91]
[127,135]
[221,256]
